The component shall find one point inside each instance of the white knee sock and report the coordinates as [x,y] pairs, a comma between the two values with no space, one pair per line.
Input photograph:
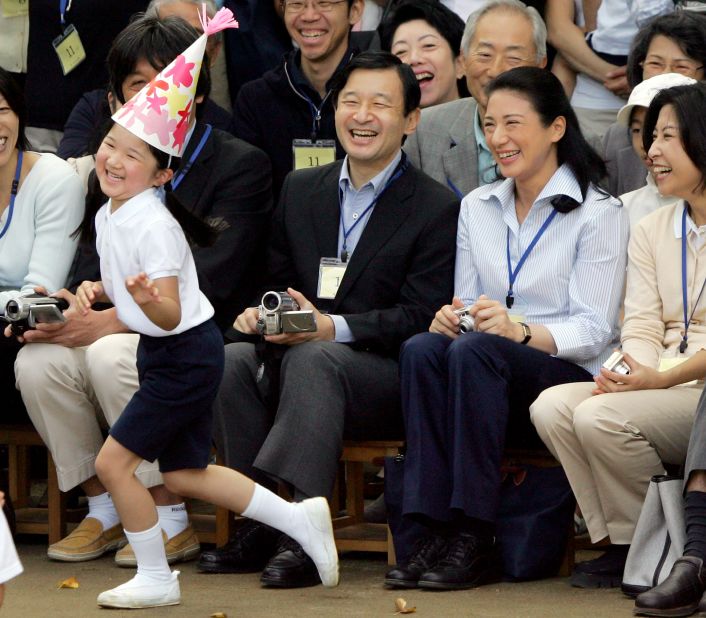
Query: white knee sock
[268,508]
[102,508]
[173,519]
[148,546]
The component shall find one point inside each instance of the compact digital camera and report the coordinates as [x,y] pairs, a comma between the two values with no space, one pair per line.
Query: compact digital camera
[25,312]
[616,363]
[467,323]
[280,313]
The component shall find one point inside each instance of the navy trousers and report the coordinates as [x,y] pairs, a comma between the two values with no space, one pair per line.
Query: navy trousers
[459,399]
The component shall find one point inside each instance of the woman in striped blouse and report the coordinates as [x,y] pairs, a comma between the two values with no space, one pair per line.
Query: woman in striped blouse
[540,266]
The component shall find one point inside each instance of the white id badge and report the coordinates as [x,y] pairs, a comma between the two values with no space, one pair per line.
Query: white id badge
[313,154]
[331,271]
[69,48]
[518,313]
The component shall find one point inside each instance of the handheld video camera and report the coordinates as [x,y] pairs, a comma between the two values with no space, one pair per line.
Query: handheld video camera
[280,313]
[467,323]
[25,312]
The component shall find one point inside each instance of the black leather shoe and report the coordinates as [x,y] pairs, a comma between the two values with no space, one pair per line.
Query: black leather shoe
[606,571]
[679,594]
[426,554]
[290,567]
[248,552]
[469,561]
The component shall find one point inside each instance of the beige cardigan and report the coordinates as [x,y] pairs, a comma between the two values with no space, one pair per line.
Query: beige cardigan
[654,318]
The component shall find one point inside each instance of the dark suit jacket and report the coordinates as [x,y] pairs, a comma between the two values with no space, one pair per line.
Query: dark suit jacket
[229,185]
[401,271]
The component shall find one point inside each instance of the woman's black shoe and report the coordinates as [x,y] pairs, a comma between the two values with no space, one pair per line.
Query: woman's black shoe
[428,551]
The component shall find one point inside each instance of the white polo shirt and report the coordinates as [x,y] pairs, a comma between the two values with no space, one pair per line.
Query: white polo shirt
[142,235]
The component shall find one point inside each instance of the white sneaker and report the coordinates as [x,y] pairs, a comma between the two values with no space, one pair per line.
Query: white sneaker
[141,592]
[317,539]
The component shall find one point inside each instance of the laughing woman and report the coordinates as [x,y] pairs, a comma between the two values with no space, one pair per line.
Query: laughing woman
[41,204]
[614,434]
[541,263]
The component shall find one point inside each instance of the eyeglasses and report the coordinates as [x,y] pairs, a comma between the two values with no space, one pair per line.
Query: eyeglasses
[323,6]
[681,67]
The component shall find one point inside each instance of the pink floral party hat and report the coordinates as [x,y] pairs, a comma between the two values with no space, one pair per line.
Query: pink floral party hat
[159,113]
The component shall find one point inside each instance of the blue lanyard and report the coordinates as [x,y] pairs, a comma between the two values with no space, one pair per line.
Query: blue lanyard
[316,114]
[684,343]
[512,274]
[62,11]
[176,181]
[454,188]
[401,169]
[13,194]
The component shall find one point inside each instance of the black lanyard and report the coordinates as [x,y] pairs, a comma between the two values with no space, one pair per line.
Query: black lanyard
[401,169]
[13,193]
[512,274]
[684,340]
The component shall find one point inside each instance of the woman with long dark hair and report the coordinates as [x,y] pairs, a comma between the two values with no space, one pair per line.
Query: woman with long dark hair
[540,266]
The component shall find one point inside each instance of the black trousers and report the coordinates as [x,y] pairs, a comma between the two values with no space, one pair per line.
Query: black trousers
[459,399]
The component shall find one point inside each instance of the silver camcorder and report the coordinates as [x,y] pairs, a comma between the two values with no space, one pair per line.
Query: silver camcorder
[616,363]
[280,313]
[467,323]
[25,312]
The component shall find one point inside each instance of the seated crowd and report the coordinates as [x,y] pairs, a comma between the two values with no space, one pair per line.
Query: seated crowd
[163,218]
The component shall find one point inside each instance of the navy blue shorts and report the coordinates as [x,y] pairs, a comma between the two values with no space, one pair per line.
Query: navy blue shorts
[170,416]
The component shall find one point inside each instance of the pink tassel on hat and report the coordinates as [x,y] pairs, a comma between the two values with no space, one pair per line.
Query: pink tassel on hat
[221,20]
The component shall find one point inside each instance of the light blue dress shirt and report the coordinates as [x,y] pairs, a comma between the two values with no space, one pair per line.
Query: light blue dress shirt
[487,172]
[353,204]
[572,281]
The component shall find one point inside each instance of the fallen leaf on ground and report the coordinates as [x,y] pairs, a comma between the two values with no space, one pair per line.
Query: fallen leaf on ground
[402,608]
[72,582]
[219,615]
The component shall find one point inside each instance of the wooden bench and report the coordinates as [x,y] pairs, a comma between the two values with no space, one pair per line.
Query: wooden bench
[51,520]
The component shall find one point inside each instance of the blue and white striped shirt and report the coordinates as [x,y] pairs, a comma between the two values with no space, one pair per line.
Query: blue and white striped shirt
[572,282]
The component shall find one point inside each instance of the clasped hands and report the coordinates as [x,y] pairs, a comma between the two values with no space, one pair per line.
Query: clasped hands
[641,377]
[246,323]
[490,316]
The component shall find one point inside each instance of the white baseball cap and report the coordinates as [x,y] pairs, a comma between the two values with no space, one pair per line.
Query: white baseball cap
[645,91]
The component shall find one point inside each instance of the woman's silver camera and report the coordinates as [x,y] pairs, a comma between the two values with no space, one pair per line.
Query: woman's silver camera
[616,363]
[25,312]
[467,323]
[280,313]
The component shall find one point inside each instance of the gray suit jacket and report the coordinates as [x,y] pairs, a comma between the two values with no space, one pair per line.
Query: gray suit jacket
[625,170]
[444,145]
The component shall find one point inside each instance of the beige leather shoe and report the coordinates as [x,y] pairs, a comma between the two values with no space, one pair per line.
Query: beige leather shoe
[182,547]
[87,541]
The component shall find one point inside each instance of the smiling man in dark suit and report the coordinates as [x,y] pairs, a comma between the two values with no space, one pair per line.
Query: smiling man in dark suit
[368,244]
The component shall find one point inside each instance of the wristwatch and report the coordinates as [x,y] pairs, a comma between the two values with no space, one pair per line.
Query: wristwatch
[526,332]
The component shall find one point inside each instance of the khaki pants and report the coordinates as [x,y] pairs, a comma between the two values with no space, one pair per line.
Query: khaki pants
[610,446]
[73,395]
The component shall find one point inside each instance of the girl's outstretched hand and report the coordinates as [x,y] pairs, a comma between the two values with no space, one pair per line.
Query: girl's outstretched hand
[88,293]
[142,289]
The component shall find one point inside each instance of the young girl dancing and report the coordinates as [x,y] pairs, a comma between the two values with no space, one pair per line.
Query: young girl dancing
[148,273]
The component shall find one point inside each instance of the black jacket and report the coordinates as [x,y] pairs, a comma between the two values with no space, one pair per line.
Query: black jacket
[402,269]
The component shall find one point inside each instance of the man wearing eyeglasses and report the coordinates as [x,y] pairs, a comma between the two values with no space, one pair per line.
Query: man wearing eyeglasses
[288,111]
[449,144]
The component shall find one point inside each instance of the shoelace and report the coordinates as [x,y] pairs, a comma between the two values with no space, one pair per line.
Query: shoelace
[287,543]
[459,549]
[427,552]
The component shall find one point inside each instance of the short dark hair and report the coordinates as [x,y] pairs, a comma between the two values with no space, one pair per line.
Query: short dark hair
[380,60]
[159,42]
[444,20]
[546,95]
[686,28]
[689,103]
[12,93]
